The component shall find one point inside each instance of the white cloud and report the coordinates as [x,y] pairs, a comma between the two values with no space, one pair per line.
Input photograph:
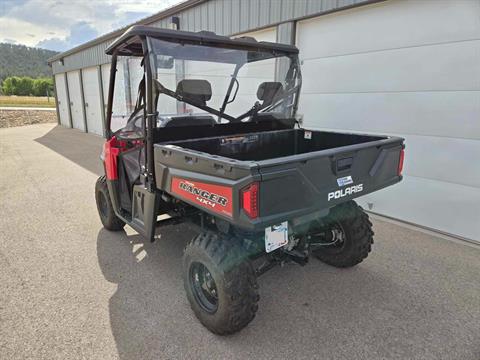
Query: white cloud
[57,24]
[26,33]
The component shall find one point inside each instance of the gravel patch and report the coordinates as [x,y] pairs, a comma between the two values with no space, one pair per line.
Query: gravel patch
[12,118]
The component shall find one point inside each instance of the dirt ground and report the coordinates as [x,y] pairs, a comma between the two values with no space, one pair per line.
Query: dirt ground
[27,101]
[11,118]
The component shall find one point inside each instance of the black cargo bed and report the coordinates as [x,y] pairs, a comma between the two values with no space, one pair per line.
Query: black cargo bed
[298,171]
[273,144]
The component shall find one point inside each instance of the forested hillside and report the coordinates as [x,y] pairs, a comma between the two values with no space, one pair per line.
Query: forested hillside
[20,60]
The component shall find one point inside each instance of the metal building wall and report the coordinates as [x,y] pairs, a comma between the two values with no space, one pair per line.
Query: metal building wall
[224,17]
[229,17]
[92,56]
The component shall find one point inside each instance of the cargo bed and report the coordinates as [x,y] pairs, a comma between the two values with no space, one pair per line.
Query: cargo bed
[273,144]
[298,171]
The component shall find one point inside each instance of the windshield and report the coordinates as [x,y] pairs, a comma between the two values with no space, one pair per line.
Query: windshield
[230,84]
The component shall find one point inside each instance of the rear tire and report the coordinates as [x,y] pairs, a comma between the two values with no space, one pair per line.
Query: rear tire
[108,217]
[354,229]
[220,283]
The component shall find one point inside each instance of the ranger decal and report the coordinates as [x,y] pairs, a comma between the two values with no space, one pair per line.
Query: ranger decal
[217,198]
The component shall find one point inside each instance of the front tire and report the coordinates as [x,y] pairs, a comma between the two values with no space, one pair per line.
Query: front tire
[220,283]
[350,234]
[108,217]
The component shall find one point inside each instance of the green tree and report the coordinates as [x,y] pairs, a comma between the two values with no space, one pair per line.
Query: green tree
[25,86]
[20,60]
[9,85]
[42,87]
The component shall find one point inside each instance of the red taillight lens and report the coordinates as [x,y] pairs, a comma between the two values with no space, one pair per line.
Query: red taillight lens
[400,162]
[250,200]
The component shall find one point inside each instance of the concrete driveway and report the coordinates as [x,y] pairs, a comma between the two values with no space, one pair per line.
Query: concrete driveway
[69,289]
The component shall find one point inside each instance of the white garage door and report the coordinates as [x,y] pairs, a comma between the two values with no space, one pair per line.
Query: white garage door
[93,104]
[76,106]
[407,68]
[62,99]
[119,110]
[251,75]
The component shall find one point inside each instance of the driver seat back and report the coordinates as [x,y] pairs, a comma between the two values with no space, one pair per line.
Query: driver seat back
[198,91]
[269,91]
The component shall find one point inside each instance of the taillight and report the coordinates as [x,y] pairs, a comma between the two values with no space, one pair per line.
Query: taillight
[400,162]
[250,200]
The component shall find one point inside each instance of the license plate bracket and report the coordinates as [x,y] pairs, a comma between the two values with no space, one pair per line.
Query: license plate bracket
[276,236]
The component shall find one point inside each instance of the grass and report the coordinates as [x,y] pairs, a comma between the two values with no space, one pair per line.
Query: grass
[27,101]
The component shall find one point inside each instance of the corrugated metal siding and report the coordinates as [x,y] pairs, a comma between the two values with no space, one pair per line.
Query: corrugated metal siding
[224,17]
[89,57]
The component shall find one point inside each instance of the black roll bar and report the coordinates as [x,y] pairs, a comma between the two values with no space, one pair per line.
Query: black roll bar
[151,118]
[111,88]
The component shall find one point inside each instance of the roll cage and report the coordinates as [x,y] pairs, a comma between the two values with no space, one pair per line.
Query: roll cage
[138,41]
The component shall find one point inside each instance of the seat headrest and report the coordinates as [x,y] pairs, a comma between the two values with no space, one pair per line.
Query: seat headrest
[268,91]
[197,90]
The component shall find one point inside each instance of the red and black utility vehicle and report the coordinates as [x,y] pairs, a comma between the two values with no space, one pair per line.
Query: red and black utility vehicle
[212,139]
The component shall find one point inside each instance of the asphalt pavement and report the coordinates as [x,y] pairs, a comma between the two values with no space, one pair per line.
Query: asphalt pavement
[70,289]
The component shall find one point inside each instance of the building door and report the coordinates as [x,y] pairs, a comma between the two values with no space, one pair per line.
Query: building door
[93,104]
[62,100]
[411,69]
[76,105]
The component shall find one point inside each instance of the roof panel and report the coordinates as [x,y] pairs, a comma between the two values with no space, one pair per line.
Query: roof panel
[130,42]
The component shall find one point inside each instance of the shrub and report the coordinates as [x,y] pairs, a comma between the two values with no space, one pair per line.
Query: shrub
[42,87]
[24,86]
[9,85]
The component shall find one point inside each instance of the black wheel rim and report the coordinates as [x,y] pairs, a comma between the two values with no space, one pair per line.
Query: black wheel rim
[204,287]
[102,204]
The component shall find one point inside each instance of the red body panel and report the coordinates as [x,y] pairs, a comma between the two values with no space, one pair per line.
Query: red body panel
[111,149]
[110,154]
[217,198]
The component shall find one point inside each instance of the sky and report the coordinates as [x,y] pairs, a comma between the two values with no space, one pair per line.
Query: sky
[63,24]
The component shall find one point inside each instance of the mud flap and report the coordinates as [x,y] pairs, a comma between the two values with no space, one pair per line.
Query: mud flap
[144,211]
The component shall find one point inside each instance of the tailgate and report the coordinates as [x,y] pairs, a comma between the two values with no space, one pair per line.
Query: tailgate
[304,183]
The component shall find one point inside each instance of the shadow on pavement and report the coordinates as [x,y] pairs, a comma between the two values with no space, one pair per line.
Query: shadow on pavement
[148,276]
[150,316]
[81,148]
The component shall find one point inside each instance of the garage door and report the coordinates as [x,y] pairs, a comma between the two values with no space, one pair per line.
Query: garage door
[76,106]
[251,75]
[62,99]
[407,68]
[119,110]
[93,104]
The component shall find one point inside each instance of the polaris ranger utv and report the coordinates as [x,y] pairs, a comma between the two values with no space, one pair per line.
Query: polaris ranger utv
[213,140]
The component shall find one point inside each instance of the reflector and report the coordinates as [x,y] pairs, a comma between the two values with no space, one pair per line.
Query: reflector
[400,162]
